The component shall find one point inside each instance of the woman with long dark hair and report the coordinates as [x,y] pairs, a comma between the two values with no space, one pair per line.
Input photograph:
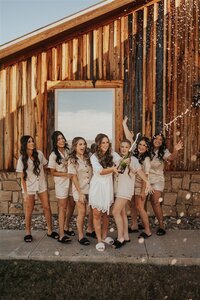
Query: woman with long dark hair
[58,161]
[142,153]
[101,194]
[30,165]
[79,167]
[160,154]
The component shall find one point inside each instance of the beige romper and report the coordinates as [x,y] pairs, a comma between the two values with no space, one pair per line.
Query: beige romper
[138,180]
[84,174]
[156,172]
[124,183]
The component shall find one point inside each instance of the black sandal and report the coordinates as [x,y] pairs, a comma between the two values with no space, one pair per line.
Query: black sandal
[65,239]
[53,235]
[144,235]
[117,244]
[28,238]
[130,230]
[91,234]
[84,241]
[69,232]
[161,231]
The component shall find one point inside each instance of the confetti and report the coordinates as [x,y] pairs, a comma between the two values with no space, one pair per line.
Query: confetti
[188,196]
[193,158]
[174,261]
[141,240]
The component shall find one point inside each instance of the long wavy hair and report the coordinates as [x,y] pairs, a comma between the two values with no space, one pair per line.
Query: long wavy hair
[54,138]
[23,151]
[141,156]
[162,148]
[73,153]
[105,159]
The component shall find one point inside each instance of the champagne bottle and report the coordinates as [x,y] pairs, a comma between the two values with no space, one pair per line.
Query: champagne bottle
[123,164]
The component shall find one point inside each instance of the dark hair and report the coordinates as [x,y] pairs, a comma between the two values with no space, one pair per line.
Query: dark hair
[106,159]
[162,148]
[54,139]
[93,148]
[147,153]
[23,150]
[73,155]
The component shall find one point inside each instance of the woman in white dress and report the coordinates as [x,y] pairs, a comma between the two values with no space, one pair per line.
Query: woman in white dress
[101,194]
[30,166]
[160,154]
[124,184]
[80,168]
[58,167]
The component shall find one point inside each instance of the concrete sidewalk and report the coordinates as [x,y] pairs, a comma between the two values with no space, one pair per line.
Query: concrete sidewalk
[175,248]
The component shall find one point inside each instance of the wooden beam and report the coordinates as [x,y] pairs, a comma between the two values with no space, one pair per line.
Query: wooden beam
[79,84]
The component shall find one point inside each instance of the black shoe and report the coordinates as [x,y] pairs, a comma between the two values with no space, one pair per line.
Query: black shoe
[69,232]
[161,231]
[130,230]
[91,234]
[144,235]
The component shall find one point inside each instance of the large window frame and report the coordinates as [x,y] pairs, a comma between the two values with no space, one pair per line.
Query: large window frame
[52,86]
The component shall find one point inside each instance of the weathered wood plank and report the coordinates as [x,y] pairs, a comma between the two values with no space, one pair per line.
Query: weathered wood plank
[83,84]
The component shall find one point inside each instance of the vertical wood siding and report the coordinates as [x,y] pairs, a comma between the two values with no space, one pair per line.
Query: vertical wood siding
[154,50]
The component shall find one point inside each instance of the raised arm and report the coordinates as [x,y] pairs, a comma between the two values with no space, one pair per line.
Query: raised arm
[128,134]
[178,146]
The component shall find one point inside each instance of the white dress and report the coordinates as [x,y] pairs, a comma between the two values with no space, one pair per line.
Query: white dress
[101,194]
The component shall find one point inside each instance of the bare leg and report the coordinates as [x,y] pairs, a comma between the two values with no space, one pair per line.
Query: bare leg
[62,203]
[29,203]
[134,222]
[125,224]
[105,224]
[69,212]
[80,218]
[97,223]
[157,207]
[47,210]
[90,226]
[119,205]
[139,202]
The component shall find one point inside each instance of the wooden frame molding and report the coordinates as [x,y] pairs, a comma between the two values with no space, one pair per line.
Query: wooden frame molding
[81,84]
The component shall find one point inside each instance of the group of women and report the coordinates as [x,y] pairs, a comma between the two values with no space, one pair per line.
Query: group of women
[93,178]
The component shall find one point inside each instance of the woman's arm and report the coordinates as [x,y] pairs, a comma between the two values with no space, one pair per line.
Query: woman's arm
[109,170]
[128,134]
[77,186]
[148,188]
[58,174]
[173,155]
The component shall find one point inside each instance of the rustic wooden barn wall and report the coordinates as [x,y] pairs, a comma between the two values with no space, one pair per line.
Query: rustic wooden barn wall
[155,50]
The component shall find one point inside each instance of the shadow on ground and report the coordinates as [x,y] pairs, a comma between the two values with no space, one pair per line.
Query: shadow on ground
[70,280]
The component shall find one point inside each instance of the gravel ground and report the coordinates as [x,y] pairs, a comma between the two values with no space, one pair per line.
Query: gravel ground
[14,222]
